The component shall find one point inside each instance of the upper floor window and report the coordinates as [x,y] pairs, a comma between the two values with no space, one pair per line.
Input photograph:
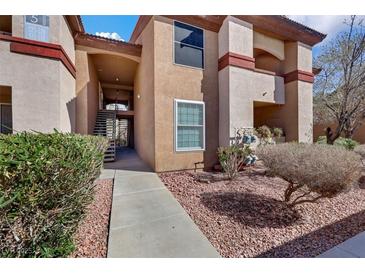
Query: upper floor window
[188,45]
[36,27]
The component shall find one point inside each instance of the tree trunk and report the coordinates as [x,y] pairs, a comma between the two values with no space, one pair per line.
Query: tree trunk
[329,136]
[348,134]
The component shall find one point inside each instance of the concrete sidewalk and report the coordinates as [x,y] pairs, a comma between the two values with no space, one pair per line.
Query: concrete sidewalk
[352,248]
[146,220]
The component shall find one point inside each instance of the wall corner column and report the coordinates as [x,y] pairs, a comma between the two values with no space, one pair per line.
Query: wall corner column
[235,48]
[298,108]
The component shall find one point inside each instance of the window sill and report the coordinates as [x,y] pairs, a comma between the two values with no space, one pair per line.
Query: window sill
[190,150]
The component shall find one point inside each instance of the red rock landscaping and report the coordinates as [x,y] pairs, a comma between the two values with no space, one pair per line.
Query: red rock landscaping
[247,218]
[91,238]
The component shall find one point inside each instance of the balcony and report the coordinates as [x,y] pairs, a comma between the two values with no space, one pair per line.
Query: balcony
[257,85]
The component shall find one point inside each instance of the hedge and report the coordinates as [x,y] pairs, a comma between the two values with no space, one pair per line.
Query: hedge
[46,183]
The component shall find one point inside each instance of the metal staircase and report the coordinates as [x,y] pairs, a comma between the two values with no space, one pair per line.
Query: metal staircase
[105,125]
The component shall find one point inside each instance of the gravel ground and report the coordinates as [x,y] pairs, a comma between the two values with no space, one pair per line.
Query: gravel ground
[247,218]
[91,238]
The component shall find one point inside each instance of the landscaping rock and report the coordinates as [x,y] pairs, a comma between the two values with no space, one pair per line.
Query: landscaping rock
[91,238]
[247,218]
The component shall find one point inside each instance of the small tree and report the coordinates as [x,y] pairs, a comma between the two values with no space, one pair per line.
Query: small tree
[313,172]
[340,86]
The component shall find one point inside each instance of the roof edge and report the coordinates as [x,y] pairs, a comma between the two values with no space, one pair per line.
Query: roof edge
[75,23]
[94,41]
[140,25]
[289,29]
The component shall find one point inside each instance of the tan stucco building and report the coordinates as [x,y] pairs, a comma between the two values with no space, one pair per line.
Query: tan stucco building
[185,83]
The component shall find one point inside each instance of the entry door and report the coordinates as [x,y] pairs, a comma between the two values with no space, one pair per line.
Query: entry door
[6,119]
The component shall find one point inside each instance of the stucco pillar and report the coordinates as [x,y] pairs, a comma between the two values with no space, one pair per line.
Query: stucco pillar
[235,44]
[298,108]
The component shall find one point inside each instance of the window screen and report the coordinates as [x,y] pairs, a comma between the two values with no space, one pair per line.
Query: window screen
[189,125]
[188,45]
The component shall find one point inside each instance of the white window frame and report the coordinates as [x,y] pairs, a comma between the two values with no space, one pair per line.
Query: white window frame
[173,46]
[187,149]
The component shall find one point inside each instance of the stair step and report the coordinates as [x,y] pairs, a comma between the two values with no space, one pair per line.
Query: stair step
[105,125]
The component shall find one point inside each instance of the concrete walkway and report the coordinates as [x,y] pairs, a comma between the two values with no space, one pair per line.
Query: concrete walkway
[146,220]
[352,248]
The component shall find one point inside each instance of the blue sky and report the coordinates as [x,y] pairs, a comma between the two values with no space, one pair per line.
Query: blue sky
[121,26]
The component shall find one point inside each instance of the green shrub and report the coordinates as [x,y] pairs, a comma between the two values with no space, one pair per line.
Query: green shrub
[46,182]
[312,171]
[232,158]
[346,143]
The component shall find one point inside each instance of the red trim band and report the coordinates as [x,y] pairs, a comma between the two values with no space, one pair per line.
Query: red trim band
[246,62]
[40,49]
[299,75]
[237,60]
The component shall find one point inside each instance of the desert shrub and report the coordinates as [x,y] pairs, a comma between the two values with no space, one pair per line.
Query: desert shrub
[46,182]
[346,143]
[264,132]
[232,158]
[312,171]
[360,149]
[277,132]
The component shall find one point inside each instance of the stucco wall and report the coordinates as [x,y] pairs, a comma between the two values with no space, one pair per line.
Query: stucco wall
[298,111]
[67,101]
[35,96]
[268,62]
[43,90]
[144,98]
[298,56]
[270,44]
[87,96]
[237,96]
[179,82]
[59,32]
[235,36]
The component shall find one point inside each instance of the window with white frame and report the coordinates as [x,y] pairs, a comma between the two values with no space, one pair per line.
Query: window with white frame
[188,45]
[189,125]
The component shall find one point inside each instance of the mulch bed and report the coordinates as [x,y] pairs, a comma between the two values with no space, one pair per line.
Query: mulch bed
[91,238]
[247,218]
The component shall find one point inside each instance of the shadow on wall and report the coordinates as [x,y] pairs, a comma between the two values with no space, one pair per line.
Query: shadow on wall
[71,110]
[320,240]
[210,91]
[251,210]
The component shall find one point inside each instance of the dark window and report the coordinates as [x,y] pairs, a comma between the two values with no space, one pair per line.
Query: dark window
[188,45]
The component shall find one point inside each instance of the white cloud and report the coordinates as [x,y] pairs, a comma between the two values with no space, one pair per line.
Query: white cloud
[110,35]
[327,24]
